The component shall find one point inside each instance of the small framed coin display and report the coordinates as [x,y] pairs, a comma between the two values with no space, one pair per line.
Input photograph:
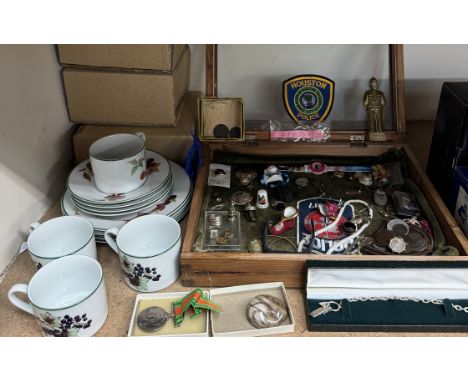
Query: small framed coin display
[220,118]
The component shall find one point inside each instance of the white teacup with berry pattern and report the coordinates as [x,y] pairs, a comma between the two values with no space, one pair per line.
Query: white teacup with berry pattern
[118,162]
[149,251]
[67,297]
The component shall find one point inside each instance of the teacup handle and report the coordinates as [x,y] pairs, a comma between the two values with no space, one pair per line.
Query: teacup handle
[20,288]
[141,135]
[110,235]
[24,244]
[33,226]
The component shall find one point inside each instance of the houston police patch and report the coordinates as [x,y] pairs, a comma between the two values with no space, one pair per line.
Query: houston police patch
[308,98]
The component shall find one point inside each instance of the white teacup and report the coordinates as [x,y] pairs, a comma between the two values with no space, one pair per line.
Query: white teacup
[119,162]
[59,237]
[149,251]
[67,297]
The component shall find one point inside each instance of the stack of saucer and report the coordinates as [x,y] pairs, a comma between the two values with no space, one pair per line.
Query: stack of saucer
[139,182]
[89,199]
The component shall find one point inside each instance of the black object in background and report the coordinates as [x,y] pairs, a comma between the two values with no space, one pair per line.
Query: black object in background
[449,146]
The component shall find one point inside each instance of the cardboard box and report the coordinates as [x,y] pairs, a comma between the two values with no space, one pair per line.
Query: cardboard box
[233,321]
[143,57]
[127,98]
[190,327]
[172,142]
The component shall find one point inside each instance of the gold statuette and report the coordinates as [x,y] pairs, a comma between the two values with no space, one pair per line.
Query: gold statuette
[374,102]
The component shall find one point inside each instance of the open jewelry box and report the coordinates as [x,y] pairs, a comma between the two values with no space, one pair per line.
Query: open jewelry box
[348,146]
[392,296]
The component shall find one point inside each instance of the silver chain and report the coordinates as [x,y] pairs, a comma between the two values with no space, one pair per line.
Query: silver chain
[334,306]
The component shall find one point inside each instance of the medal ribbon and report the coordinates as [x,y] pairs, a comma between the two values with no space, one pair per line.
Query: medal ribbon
[194,303]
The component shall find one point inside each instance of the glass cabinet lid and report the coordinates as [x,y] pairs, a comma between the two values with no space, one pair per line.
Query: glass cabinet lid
[257,72]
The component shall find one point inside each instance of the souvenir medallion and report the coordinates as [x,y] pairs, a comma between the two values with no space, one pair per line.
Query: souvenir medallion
[153,319]
[241,198]
[302,182]
[266,311]
[308,98]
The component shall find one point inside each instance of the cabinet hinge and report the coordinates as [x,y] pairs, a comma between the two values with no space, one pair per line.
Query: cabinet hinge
[357,140]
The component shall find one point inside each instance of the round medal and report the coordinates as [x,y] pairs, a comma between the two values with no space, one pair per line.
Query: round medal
[152,319]
[266,311]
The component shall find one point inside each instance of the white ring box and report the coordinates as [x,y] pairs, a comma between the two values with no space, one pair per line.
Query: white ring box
[233,321]
[164,300]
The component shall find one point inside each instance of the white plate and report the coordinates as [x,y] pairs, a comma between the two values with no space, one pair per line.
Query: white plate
[81,182]
[177,207]
[143,199]
[125,210]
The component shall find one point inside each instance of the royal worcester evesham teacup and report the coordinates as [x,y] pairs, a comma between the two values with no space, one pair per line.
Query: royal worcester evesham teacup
[59,237]
[149,251]
[118,162]
[67,297]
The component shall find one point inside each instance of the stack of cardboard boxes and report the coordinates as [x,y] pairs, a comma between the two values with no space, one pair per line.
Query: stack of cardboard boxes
[128,88]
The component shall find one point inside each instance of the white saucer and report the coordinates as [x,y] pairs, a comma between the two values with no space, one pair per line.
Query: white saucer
[120,206]
[125,210]
[176,204]
[84,187]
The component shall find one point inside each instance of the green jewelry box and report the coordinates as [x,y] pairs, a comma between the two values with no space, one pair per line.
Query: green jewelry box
[398,296]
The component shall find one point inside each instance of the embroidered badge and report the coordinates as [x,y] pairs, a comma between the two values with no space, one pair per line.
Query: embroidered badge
[308,98]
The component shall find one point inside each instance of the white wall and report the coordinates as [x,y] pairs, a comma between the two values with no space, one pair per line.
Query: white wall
[426,67]
[35,140]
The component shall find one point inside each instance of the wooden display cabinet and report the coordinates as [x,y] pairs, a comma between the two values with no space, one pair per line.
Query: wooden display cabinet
[234,268]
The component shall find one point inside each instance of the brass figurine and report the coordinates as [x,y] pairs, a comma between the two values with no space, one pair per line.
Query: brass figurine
[374,102]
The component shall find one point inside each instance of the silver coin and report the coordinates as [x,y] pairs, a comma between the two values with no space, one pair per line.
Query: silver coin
[398,226]
[266,311]
[366,241]
[152,319]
